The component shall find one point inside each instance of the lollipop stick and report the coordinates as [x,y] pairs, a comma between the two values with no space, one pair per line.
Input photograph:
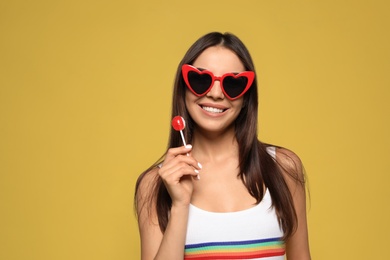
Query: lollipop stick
[184,142]
[182,138]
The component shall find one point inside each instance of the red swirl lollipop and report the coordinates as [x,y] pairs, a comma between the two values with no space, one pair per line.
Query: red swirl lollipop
[179,124]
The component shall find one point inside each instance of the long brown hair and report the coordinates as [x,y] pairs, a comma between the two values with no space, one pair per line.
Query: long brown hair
[257,168]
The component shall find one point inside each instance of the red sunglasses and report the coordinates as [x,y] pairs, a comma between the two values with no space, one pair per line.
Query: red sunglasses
[233,85]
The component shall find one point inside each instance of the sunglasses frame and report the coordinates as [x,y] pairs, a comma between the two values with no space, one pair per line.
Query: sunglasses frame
[186,68]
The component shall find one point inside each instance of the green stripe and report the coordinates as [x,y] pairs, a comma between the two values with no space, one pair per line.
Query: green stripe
[276,244]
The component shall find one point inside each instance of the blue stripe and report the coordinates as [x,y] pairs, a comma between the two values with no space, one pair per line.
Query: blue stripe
[232,243]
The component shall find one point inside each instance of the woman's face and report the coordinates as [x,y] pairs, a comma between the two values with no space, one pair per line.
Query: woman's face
[214,112]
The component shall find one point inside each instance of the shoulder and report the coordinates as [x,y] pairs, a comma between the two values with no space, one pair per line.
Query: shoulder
[287,158]
[147,180]
[290,164]
[145,187]
[297,246]
[148,223]
[148,177]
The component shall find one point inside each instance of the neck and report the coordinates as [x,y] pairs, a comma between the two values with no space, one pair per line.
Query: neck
[214,147]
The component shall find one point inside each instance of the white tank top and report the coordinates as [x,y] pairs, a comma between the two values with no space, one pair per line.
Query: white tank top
[253,233]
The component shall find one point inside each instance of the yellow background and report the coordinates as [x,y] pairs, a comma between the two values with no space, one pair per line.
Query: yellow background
[85,90]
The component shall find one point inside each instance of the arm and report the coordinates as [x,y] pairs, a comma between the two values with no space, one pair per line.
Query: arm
[297,246]
[176,174]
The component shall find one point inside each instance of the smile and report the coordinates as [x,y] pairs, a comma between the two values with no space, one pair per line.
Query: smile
[212,109]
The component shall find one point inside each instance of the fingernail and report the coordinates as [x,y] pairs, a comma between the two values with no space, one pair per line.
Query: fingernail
[188,146]
[196,171]
[198,177]
[200,165]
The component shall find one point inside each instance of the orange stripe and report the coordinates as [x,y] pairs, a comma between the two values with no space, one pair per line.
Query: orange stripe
[256,253]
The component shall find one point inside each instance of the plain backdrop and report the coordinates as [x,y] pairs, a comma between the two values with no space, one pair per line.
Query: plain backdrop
[85,99]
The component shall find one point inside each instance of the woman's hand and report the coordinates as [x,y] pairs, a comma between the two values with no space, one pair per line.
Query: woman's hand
[177,172]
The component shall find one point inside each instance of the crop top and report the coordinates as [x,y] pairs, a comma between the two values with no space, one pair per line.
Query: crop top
[252,233]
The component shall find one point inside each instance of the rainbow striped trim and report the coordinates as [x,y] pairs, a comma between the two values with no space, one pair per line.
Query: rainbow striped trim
[249,249]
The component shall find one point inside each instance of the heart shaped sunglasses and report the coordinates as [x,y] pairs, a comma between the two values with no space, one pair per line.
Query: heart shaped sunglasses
[233,85]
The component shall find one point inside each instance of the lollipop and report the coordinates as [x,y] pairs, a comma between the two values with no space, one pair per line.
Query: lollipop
[179,124]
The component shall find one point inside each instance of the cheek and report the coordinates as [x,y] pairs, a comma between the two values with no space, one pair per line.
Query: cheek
[238,104]
[189,97]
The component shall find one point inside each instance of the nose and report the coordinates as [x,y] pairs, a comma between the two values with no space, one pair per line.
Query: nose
[216,91]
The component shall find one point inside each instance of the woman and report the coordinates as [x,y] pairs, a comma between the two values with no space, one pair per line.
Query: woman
[227,195]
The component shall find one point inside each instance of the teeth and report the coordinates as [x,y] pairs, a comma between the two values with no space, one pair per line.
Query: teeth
[213,109]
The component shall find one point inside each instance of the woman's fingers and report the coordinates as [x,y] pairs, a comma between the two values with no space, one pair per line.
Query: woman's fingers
[173,152]
[180,154]
[173,171]
[178,167]
[180,159]
[177,170]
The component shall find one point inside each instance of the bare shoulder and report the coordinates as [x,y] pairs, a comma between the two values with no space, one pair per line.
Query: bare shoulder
[147,179]
[146,184]
[297,245]
[290,164]
[148,224]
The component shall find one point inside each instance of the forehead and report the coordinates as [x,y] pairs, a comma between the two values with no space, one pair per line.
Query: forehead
[219,60]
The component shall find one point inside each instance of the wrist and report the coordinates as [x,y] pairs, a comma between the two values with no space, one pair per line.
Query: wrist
[179,206]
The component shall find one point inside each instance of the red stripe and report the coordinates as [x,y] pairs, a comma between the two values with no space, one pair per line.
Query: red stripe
[238,255]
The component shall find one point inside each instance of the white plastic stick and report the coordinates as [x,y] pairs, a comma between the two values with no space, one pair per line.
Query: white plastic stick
[182,138]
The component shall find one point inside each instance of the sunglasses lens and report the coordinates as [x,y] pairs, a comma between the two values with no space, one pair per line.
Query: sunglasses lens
[234,86]
[199,83]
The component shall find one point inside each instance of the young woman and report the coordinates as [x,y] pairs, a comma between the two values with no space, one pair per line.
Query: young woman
[227,195]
